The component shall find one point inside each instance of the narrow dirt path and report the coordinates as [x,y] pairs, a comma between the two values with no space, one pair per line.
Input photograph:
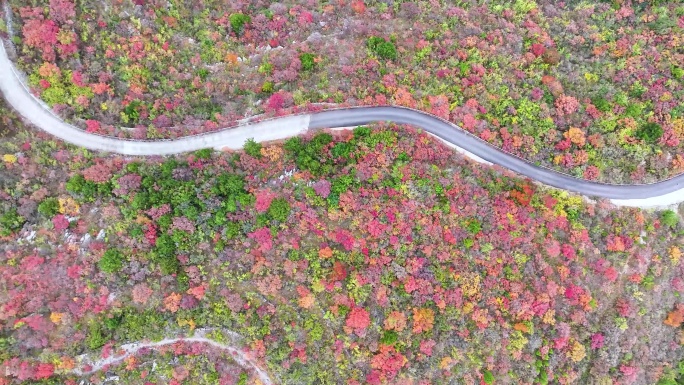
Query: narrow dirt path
[200,337]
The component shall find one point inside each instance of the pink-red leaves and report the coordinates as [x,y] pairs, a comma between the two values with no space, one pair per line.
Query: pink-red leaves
[358,320]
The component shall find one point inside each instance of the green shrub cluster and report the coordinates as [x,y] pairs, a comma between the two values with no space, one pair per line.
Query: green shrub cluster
[127,324]
[159,187]
[673,376]
[111,261]
[649,132]
[10,221]
[131,113]
[601,104]
[87,190]
[382,48]
[62,90]
[204,153]
[252,148]
[49,207]
[279,209]
[309,156]
[238,21]
[669,218]
[307,60]
[165,254]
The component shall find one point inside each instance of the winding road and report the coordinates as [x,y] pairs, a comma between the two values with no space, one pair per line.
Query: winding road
[14,89]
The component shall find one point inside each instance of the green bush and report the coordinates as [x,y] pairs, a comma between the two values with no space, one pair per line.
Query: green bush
[165,255]
[131,113]
[488,377]
[268,87]
[473,226]
[113,321]
[307,60]
[238,21]
[342,150]
[669,218]
[141,201]
[242,380]
[204,153]
[169,265]
[133,167]
[252,148]
[319,141]
[54,95]
[265,68]
[111,261]
[601,104]
[96,337]
[203,73]
[308,156]
[341,184]
[389,337]
[279,209]
[649,132]
[361,132]
[75,184]
[293,145]
[673,376]
[79,186]
[634,110]
[165,246]
[403,157]
[49,207]
[105,188]
[637,90]
[10,221]
[229,185]
[382,48]
[233,229]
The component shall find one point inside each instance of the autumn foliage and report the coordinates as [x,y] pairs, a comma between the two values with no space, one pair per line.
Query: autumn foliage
[381,258]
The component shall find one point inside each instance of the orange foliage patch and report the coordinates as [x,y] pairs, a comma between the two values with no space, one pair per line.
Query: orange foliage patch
[676,317]
[172,302]
[675,254]
[197,292]
[523,194]
[555,87]
[231,58]
[423,320]
[521,327]
[56,317]
[325,253]
[170,21]
[358,6]
[396,320]
[678,162]
[66,363]
[404,98]
[306,298]
[575,135]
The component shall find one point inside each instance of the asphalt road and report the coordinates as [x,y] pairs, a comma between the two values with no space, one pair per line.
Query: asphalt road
[37,113]
[453,134]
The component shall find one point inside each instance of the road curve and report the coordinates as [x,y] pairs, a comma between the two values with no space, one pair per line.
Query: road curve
[243,359]
[35,111]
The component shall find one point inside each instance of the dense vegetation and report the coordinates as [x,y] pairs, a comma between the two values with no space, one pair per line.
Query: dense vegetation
[376,257]
[593,89]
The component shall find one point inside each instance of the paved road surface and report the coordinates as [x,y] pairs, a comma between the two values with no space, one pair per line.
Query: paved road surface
[663,193]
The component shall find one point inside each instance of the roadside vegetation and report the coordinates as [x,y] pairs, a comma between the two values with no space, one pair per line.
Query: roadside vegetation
[376,256]
[593,89]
